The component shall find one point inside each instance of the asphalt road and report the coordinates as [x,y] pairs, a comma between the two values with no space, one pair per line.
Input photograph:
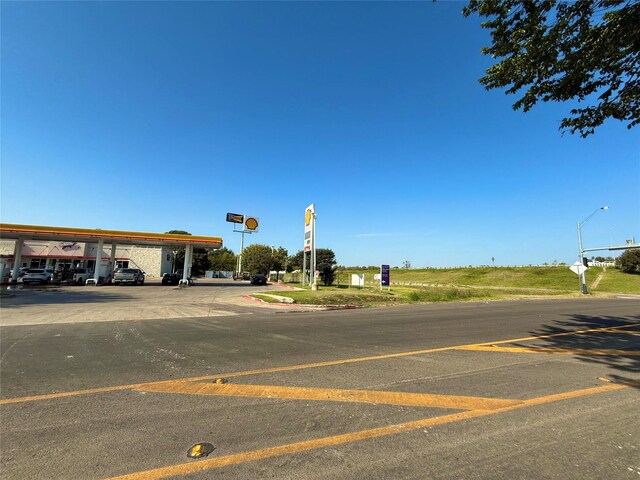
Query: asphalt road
[473,390]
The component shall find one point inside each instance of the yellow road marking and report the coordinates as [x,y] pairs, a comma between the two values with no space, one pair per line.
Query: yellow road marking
[334,395]
[308,365]
[50,396]
[203,465]
[559,351]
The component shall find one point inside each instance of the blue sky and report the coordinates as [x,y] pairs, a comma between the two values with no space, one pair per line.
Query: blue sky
[157,116]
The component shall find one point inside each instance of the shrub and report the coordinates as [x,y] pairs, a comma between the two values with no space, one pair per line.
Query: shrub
[629,261]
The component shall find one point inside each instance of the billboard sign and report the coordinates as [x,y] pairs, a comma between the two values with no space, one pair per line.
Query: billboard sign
[235,218]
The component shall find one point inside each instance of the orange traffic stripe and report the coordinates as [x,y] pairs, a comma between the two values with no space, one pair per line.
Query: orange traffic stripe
[204,465]
[333,395]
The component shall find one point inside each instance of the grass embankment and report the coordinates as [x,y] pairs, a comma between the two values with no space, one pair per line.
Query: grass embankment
[555,278]
[615,281]
[465,284]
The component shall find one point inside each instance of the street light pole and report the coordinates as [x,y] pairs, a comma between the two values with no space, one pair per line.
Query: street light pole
[583,277]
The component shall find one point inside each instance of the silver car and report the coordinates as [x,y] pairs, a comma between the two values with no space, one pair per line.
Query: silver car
[38,275]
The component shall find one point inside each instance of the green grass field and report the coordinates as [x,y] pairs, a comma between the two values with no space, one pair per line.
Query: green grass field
[615,281]
[467,284]
[555,278]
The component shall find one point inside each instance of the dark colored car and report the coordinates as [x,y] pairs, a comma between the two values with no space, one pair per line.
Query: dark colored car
[259,279]
[74,275]
[174,278]
[62,276]
[170,279]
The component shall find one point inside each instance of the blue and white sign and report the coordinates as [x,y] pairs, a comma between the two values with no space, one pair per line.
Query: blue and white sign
[384,276]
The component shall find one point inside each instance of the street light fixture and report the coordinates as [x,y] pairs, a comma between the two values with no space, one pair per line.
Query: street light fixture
[583,278]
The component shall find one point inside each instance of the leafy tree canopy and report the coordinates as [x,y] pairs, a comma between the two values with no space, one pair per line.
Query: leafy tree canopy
[326,265]
[629,261]
[280,258]
[296,261]
[257,259]
[551,50]
[222,259]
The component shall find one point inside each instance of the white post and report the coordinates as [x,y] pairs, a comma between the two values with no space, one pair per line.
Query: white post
[581,276]
[186,270]
[96,272]
[17,259]
[112,261]
[304,267]
[240,256]
[314,281]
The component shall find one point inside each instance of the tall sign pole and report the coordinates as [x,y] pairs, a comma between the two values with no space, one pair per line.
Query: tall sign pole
[309,244]
[314,283]
[249,225]
[304,268]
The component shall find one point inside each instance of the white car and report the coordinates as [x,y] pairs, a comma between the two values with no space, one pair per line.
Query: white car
[21,271]
[38,275]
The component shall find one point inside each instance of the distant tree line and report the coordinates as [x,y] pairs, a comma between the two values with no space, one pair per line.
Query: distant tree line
[256,258]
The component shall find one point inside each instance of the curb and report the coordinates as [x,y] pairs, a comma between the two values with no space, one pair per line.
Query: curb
[285,286]
[295,305]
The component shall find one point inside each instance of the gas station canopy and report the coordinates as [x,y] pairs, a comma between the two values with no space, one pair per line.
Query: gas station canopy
[87,235]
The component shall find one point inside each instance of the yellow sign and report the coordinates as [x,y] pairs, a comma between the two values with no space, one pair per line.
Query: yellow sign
[251,224]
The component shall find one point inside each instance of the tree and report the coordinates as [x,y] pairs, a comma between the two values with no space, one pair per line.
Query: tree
[296,261]
[629,261]
[222,260]
[558,51]
[257,259]
[326,265]
[279,258]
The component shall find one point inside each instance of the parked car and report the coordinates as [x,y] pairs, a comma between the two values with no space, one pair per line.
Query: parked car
[174,278]
[62,276]
[21,271]
[128,275]
[259,279]
[242,276]
[75,275]
[38,275]
[170,279]
[80,276]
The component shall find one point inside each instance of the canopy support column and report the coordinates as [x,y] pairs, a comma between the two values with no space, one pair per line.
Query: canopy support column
[96,272]
[186,269]
[17,259]
[112,261]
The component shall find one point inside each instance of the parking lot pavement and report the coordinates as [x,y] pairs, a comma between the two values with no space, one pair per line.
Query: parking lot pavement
[32,305]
